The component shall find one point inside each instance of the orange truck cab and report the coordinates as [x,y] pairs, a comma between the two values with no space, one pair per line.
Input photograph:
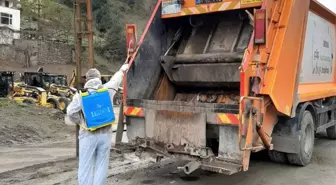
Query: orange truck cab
[215,80]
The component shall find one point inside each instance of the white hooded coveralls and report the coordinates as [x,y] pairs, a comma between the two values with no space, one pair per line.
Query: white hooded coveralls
[94,147]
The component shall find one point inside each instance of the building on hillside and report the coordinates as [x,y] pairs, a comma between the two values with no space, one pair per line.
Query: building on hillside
[9,21]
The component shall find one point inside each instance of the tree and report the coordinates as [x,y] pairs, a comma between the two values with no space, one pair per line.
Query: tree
[109,18]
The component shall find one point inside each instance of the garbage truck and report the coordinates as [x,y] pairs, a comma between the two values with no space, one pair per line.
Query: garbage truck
[216,80]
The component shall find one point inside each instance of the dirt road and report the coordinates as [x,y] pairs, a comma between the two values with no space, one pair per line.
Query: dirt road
[321,171]
[37,148]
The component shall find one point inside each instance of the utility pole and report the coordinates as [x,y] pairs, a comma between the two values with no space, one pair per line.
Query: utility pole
[39,35]
[89,33]
[78,49]
[81,33]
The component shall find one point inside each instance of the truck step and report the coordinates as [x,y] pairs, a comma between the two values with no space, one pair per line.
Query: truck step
[221,167]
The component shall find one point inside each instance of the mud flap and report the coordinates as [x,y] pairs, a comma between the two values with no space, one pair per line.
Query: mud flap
[229,145]
[177,128]
[135,128]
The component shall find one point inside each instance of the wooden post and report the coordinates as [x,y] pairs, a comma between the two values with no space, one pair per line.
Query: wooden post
[78,25]
[89,33]
[79,35]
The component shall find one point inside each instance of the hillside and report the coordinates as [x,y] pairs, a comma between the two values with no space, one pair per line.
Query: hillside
[53,20]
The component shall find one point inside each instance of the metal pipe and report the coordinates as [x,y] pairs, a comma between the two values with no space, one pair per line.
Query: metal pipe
[190,167]
[263,137]
[78,50]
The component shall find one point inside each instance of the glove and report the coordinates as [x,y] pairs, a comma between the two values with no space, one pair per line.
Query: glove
[124,68]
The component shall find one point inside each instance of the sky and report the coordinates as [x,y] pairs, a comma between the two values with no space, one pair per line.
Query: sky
[331,4]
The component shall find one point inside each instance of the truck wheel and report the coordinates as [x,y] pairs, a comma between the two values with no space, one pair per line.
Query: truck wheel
[276,156]
[54,102]
[331,132]
[307,135]
[63,104]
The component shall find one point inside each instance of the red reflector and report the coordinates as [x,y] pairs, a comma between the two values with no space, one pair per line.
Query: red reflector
[131,37]
[242,83]
[260,26]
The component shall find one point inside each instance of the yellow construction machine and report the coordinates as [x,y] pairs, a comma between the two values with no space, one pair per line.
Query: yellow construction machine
[22,93]
[58,86]
[54,85]
[27,94]
[6,83]
[30,90]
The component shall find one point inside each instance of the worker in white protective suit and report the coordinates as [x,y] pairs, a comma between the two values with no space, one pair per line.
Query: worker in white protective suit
[94,146]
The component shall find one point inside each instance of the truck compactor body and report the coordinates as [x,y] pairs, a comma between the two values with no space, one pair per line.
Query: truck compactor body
[215,80]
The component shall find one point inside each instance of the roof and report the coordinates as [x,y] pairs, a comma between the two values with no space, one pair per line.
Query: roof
[7,72]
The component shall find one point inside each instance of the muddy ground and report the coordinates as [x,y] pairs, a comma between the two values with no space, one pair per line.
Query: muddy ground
[128,170]
[37,148]
[23,124]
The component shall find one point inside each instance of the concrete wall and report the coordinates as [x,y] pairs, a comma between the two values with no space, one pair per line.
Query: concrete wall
[6,36]
[30,53]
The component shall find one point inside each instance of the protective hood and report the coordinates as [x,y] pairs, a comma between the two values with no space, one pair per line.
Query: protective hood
[95,83]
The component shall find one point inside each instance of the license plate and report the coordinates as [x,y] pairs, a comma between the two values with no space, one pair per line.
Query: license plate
[207,1]
[250,1]
[171,7]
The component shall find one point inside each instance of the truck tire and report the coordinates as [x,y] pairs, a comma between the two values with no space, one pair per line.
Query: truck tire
[331,132]
[276,156]
[307,135]
[54,102]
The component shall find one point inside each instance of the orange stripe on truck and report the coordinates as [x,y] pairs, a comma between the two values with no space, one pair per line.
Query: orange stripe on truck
[190,8]
[134,111]
[230,119]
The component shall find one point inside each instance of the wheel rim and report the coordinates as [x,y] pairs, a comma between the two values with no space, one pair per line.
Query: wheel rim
[62,105]
[308,139]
